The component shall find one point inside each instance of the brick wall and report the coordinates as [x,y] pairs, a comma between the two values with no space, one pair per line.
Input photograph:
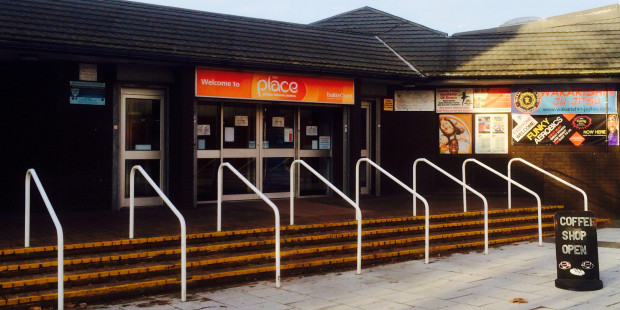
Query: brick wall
[594,169]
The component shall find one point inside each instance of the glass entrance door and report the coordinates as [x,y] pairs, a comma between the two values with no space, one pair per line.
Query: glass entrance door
[261,141]
[277,149]
[142,143]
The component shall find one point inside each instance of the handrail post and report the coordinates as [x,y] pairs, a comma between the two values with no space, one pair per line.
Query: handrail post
[510,181]
[484,200]
[292,197]
[410,190]
[585,196]
[220,191]
[414,187]
[358,212]
[173,209]
[59,233]
[509,186]
[263,197]
[464,189]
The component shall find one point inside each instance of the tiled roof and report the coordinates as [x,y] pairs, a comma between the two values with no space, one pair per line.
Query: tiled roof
[130,29]
[582,43]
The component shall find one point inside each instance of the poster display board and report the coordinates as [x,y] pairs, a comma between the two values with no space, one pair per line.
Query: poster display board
[491,133]
[414,100]
[455,100]
[559,129]
[455,133]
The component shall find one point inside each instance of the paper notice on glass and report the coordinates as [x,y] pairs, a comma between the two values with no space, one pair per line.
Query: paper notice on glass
[324,142]
[288,134]
[229,134]
[241,120]
[201,144]
[315,144]
[312,130]
[203,130]
[277,121]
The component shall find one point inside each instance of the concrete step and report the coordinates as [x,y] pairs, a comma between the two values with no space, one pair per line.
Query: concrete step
[121,268]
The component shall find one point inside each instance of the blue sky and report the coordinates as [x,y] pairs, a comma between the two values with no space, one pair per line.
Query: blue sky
[449,16]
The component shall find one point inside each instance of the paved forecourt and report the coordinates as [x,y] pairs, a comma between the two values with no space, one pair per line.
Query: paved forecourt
[520,272]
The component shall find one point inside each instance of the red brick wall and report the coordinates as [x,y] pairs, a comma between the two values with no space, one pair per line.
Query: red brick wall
[594,169]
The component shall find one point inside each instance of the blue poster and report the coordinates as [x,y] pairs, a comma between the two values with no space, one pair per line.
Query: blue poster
[90,93]
[564,99]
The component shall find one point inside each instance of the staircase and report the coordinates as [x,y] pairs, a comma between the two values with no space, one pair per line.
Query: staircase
[110,269]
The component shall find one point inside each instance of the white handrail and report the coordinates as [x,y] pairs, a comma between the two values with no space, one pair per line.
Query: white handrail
[31,173]
[174,210]
[585,196]
[410,190]
[220,181]
[358,212]
[509,181]
[486,204]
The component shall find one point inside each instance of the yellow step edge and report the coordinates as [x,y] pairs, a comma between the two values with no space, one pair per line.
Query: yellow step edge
[81,293]
[262,256]
[259,230]
[258,243]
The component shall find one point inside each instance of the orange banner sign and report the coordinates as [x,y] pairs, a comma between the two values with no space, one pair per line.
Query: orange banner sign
[268,86]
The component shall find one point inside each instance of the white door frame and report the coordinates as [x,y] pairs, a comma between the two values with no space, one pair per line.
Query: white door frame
[129,155]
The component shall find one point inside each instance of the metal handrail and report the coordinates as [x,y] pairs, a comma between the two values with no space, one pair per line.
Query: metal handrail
[174,210]
[220,181]
[358,212]
[410,190]
[486,204]
[509,181]
[33,174]
[585,196]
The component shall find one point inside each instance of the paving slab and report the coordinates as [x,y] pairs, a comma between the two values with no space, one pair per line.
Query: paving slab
[463,281]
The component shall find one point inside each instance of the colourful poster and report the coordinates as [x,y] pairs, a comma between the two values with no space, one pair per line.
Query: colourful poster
[454,100]
[492,99]
[491,133]
[576,129]
[561,99]
[455,133]
[612,129]
[272,86]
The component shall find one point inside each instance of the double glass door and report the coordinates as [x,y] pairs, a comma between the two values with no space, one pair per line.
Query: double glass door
[261,142]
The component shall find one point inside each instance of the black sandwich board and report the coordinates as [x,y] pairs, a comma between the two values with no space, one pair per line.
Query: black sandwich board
[576,251]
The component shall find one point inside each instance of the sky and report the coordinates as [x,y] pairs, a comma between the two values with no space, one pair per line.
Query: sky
[449,16]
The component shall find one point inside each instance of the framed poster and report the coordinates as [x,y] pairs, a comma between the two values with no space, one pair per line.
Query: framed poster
[455,134]
[491,133]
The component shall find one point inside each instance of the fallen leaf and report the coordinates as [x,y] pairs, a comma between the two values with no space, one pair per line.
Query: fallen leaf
[518,300]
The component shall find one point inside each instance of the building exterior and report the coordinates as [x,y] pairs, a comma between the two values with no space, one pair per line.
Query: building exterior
[119,83]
